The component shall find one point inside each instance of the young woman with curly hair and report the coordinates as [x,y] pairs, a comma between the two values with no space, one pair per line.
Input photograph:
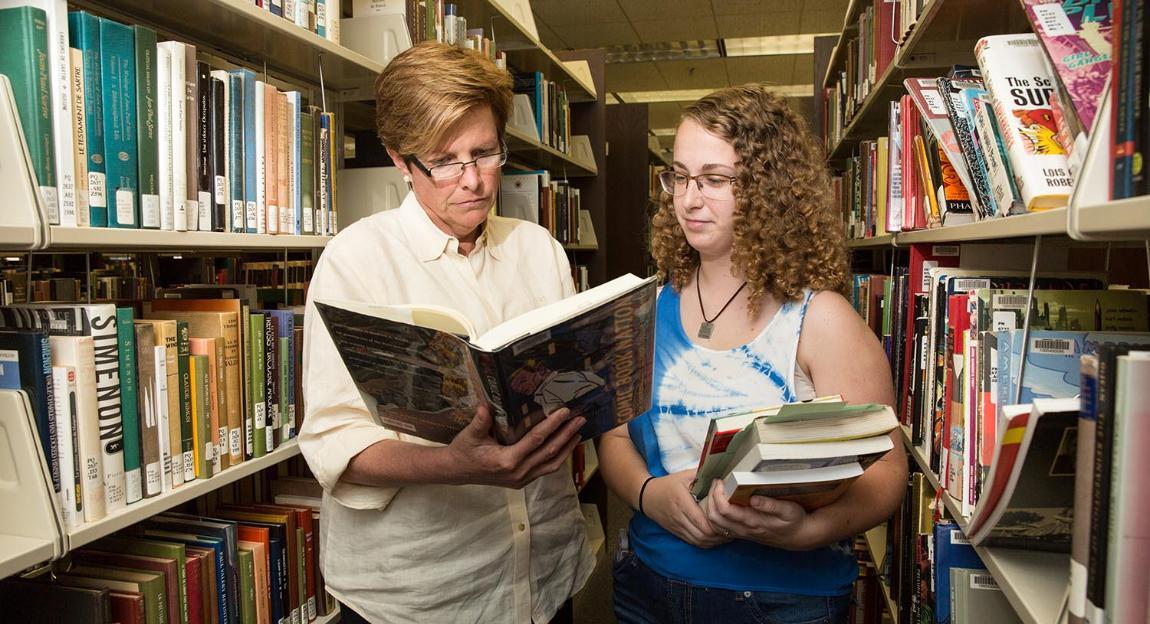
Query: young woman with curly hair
[754,256]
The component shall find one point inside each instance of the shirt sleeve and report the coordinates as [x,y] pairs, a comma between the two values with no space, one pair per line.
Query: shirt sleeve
[337,425]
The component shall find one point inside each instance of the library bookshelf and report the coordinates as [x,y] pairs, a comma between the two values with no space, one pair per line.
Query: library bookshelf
[1036,584]
[237,33]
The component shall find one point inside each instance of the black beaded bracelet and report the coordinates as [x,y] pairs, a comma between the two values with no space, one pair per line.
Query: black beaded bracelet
[643,489]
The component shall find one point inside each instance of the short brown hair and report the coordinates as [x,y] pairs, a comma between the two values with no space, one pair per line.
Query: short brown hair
[429,87]
[788,235]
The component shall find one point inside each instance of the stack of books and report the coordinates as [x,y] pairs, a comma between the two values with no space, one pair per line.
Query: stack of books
[804,452]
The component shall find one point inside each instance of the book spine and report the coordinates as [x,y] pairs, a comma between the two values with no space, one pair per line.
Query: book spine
[64,386]
[250,153]
[219,132]
[126,337]
[179,137]
[118,64]
[84,33]
[271,160]
[235,146]
[271,394]
[1001,179]
[219,386]
[1128,559]
[259,399]
[198,369]
[1020,88]
[24,59]
[307,173]
[160,401]
[164,134]
[233,417]
[172,419]
[191,142]
[244,354]
[79,132]
[1100,502]
[149,424]
[102,319]
[187,431]
[1083,488]
[258,145]
[207,177]
[295,215]
[147,102]
[325,173]
[59,55]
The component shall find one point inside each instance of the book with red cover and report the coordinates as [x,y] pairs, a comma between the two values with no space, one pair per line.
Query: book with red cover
[127,607]
[208,593]
[922,257]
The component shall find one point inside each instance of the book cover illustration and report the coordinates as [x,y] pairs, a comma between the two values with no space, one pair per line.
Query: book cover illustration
[1077,37]
[428,383]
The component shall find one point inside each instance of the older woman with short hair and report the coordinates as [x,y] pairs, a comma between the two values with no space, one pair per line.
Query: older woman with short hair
[471,531]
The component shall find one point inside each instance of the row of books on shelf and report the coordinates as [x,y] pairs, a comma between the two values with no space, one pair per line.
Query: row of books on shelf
[554,204]
[1006,137]
[992,407]
[932,570]
[867,601]
[321,17]
[125,131]
[238,563]
[866,59]
[134,401]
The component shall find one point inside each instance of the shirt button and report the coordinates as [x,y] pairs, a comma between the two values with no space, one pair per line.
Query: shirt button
[521,527]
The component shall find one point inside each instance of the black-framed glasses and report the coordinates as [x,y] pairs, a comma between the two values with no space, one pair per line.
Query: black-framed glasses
[450,171]
[711,185]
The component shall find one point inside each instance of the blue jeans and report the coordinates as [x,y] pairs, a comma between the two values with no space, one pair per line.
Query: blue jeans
[643,596]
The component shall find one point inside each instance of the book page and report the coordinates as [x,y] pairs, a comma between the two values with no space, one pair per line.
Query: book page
[540,319]
[429,316]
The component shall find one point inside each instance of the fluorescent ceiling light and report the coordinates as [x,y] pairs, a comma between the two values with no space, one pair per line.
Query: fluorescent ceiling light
[773,45]
[690,95]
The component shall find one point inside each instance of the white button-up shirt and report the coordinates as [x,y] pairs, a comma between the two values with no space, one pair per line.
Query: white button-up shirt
[435,553]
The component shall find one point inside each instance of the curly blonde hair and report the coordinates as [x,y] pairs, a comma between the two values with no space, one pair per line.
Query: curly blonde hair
[787,233]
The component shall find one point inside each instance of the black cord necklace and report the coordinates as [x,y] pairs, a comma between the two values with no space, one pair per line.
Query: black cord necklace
[708,324]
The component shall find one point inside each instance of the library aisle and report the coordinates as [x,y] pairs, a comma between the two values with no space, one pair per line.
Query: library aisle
[175,175]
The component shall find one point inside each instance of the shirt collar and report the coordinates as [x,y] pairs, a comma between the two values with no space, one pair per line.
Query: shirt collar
[430,242]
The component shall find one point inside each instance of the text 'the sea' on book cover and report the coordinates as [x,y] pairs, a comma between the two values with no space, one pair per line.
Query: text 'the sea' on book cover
[428,370]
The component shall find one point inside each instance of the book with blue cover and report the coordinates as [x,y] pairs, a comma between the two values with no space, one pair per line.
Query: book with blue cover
[118,64]
[84,34]
[951,550]
[251,167]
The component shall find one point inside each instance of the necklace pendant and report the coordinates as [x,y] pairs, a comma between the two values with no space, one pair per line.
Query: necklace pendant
[705,329]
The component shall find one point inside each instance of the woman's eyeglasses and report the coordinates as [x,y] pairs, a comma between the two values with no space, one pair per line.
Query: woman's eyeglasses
[450,171]
[711,185]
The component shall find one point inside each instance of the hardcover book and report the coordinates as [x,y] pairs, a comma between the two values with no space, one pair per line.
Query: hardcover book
[426,369]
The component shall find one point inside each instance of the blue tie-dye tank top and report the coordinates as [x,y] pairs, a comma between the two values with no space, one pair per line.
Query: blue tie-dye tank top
[692,384]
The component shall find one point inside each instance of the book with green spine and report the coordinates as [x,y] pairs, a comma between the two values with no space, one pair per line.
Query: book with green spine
[307,171]
[286,396]
[129,413]
[152,548]
[118,65]
[147,145]
[187,426]
[24,59]
[257,389]
[247,574]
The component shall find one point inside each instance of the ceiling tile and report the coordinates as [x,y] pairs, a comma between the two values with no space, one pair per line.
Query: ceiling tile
[634,77]
[677,29]
[598,35]
[651,9]
[821,21]
[664,114]
[695,74]
[559,13]
[761,25]
[745,7]
[772,69]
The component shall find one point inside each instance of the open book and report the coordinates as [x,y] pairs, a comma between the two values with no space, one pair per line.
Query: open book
[805,452]
[428,370]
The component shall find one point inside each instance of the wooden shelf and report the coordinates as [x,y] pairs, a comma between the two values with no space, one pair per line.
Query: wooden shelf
[944,35]
[525,147]
[92,531]
[122,238]
[1034,582]
[573,247]
[239,28]
[524,51]
[1046,223]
